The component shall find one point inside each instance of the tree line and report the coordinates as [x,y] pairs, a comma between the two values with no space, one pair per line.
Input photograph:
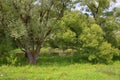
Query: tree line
[30,25]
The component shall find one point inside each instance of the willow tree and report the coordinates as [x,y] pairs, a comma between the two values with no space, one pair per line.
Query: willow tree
[30,22]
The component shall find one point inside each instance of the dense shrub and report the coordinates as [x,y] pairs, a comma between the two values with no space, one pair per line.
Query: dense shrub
[94,47]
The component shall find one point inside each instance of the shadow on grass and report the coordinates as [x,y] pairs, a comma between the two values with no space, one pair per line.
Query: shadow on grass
[55,60]
[44,60]
[49,60]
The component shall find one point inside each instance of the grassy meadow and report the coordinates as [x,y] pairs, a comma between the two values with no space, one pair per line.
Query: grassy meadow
[59,68]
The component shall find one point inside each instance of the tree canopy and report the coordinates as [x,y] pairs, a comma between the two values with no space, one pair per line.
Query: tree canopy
[29,24]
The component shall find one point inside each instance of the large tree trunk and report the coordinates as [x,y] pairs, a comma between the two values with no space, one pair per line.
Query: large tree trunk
[32,57]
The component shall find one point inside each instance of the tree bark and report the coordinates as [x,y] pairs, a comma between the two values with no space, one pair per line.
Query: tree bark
[33,59]
[33,55]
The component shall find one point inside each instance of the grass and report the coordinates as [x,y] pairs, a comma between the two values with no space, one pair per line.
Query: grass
[60,68]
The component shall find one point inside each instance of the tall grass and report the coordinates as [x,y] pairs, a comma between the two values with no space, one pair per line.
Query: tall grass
[55,67]
[61,72]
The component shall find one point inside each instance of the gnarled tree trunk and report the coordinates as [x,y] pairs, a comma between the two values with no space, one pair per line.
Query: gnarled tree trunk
[33,55]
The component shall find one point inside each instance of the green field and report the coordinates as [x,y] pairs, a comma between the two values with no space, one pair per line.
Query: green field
[56,71]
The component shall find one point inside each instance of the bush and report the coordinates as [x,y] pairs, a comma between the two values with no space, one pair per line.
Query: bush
[11,59]
[14,57]
[94,48]
[104,53]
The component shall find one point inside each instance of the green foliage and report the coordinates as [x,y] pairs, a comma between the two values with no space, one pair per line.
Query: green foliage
[107,52]
[94,46]
[111,30]
[104,53]
[68,30]
[19,31]
[73,21]
[46,50]
[11,59]
[66,39]
[6,45]
[86,37]
[91,36]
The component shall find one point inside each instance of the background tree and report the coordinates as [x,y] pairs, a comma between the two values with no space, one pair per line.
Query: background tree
[81,33]
[107,19]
